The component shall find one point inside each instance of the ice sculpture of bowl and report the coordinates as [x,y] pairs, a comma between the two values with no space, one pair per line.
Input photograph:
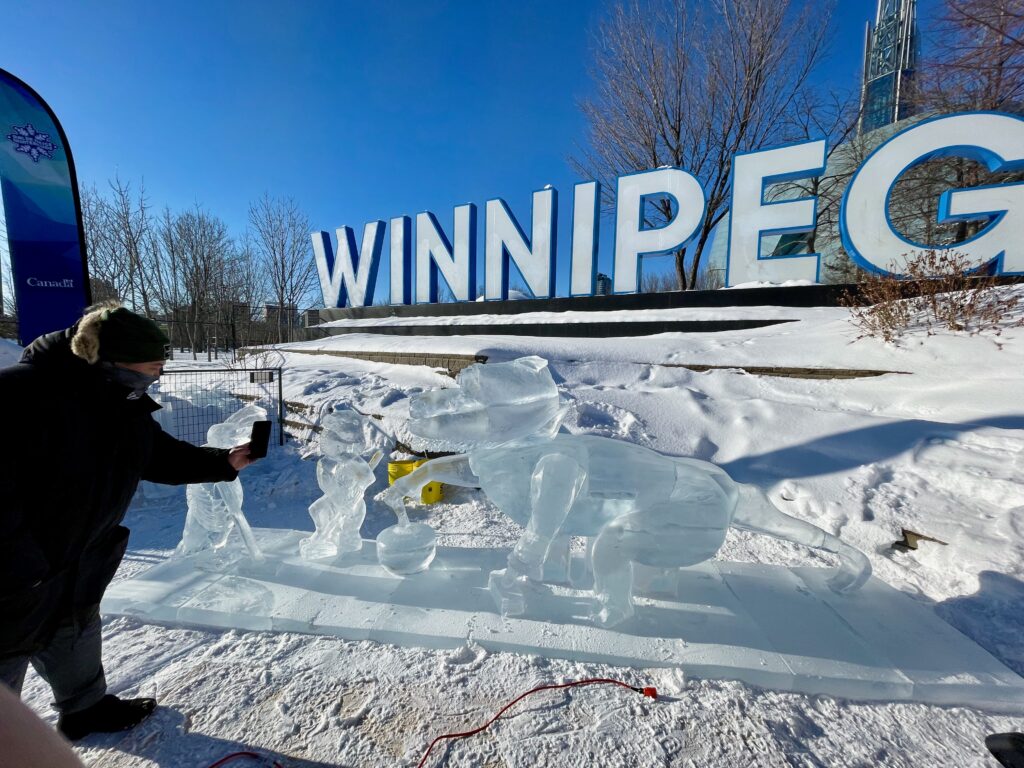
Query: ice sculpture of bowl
[406,549]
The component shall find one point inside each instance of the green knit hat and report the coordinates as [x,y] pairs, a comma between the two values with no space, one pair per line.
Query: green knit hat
[129,338]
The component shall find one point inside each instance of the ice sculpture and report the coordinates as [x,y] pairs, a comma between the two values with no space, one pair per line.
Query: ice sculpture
[643,507]
[343,475]
[215,509]
[406,548]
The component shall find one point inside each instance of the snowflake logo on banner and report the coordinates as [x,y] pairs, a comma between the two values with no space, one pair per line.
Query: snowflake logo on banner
[33,143]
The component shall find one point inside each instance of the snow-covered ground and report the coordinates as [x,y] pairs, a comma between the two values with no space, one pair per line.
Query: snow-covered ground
[938,449]
[9,352]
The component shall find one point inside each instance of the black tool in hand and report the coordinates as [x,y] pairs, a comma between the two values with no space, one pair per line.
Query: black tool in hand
[259,439]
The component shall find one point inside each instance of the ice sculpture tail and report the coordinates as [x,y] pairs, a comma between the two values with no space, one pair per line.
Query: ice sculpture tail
[755,512]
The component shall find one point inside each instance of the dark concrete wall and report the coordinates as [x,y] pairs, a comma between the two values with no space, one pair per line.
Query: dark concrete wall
[796,296]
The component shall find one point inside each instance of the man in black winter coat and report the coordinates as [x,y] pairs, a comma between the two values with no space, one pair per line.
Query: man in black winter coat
[78,437]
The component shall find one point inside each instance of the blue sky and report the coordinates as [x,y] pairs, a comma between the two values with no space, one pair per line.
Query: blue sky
[358,111]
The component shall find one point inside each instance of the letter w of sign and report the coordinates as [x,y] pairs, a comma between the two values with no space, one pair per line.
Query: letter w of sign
[348,277]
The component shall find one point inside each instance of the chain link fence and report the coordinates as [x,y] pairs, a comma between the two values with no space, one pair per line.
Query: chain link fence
[194,400]
[235,329]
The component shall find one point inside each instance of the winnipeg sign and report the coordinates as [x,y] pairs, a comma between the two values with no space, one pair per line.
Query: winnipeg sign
[417,261]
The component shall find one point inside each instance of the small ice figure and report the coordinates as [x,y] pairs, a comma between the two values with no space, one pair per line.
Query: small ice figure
[343,475]
[215,509]
[643,507]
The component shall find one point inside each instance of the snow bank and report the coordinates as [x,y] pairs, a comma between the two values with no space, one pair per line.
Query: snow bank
[10,352]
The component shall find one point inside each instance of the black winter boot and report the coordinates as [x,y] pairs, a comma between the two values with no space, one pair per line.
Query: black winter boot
[108,715]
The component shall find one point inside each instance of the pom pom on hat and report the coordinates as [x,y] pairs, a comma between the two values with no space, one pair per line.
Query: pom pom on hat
[115,334]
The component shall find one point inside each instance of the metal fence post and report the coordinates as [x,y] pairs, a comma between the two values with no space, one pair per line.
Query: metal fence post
[280,404]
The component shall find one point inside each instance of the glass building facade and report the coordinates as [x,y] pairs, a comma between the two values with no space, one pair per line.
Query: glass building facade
[890,55]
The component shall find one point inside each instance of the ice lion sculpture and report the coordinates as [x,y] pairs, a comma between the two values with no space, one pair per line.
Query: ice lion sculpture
[643,507]
[215,509]
[343,475]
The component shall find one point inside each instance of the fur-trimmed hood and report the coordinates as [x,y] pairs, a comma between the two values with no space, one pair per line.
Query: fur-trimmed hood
[86,341]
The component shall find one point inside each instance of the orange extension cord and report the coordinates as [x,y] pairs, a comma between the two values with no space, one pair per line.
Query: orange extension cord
[650,692]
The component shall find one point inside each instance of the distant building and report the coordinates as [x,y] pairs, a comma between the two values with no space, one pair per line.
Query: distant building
[275,315]
[890,57]
[310,318]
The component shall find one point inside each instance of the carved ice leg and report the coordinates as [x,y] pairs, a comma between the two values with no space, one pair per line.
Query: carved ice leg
[324,541]
[755,512]
[349,537]
[613,574]
[582,575]
[556,564]
[556,482]
[208,522]
[232,496]
[652,543]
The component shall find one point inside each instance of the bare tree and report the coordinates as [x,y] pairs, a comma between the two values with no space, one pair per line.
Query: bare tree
[129,226]
[976,58]
[280,235]
[10,304]
[245,286]
[710,279]
[196,251]
[657,282]
[105,268]
[121,248]
[692,84]
[186,269]
[169,264]
[1004,17]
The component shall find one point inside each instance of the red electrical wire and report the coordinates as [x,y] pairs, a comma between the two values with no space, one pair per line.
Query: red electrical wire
[233,755]
[647,691]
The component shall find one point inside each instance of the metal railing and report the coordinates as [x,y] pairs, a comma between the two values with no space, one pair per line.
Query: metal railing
[194,400]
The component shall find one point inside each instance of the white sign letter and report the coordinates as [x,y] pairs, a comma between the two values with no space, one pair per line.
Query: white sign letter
[585,222]
[505,241]
[348,279]
[750,217]
[997,140]
[401,260]
[435,254]
[632,238]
